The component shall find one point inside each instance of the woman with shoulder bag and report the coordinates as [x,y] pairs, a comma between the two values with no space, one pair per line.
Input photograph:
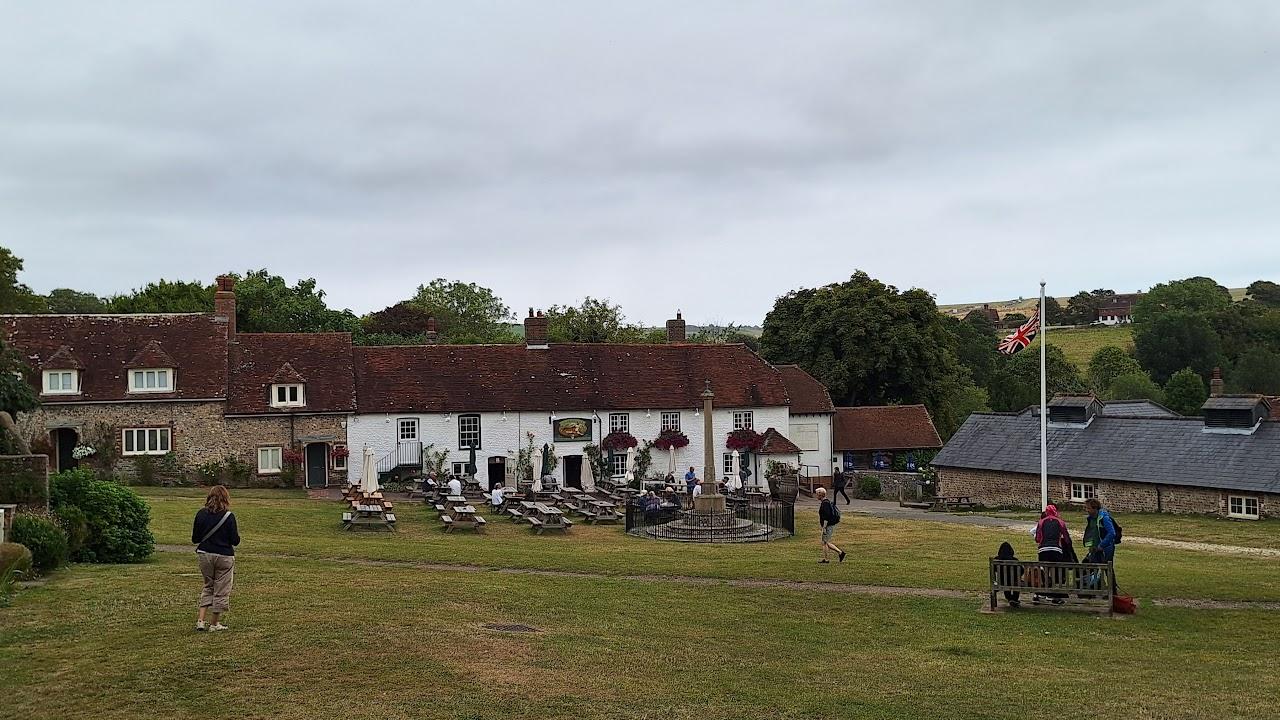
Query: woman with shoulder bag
[215,536]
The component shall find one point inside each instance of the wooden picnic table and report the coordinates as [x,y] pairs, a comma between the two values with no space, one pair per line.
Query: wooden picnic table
[953,502]
[544,517]
[462,516]
[603,511]
[368,515]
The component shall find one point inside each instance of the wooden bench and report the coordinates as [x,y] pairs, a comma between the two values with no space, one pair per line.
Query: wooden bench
[515,514]
[1055,581]
[953,502]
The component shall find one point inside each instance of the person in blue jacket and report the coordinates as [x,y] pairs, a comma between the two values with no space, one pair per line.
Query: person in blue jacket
[1099,533]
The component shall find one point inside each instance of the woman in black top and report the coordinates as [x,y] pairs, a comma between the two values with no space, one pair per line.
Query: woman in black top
[215,535]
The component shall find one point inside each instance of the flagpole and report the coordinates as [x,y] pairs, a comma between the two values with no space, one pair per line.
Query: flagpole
[1044,403]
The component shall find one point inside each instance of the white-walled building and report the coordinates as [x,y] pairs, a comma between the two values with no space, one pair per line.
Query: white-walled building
[811,423]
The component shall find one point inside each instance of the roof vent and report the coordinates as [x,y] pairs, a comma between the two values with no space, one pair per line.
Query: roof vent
[1234,414]
[1073,410]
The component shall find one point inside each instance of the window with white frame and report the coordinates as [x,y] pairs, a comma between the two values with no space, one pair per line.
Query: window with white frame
[618,465]
[671,421]
[288,395]
[468,431]
[1243,506]
[407,429]
[619,422]
[743,420]
[1081,491]
[145,441]
[339,458]
[270,460]
[151,380]
[727,464]
[61,382]
[459,468]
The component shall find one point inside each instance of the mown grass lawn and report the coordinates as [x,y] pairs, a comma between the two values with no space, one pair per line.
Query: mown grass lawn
[1187,528]
[316,638]
[1080,343]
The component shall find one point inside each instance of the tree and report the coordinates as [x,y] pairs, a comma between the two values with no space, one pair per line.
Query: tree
[975,346]
[725,335]
[1264,292]
[1257,371]
[1135,386]
[466,312]
[1015,385]
[1185,392]
[1082,308]
[1107,364]
[266,303]
[1174,340]
[1014,319]
[869,343]
[1053,312]
[1193,295]
[165,297]
[15,297]
[16,395]
[65,301]
[595,321]
[403,319]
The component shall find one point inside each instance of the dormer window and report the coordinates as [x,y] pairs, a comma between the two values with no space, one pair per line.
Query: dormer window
[291,395]
[61,382]
[151,380]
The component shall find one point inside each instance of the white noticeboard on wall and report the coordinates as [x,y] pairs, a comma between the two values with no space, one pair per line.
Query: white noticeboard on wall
[805,435]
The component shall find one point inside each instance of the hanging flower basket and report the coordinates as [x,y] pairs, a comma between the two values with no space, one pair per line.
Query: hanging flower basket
[744,440]
[340,451]
[80,452]
[668,439]
[618,441]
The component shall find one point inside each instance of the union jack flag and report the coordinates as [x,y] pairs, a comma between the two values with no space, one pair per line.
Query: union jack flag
[1022,337]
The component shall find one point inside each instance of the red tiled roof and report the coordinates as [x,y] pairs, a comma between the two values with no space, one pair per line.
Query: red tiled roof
[806,393]
[885,427]
[105,345]
[63,359]
[459,378]
[775,443]
[258,360]
[151,356]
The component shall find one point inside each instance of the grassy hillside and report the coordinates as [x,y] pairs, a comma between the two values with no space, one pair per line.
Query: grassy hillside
[1079,344]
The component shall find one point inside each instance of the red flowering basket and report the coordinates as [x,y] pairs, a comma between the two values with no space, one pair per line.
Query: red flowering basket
[744,440]
[668,439]
[292,457]
[618,441]
[340,451]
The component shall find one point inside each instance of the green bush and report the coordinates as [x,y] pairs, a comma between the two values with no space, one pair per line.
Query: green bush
[117,518]
[76,525]
[44,538]
[869,486]
[14,558]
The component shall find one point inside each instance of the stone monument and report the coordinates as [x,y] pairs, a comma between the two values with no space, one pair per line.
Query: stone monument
[710,501]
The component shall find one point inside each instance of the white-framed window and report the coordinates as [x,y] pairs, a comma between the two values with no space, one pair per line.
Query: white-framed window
[459,468]
[743,420]
[618,464]
[468,431]
[1243,506]
[339,461]
[61,382]
[671,421]
[151,380]
[145,441]
[270,460]
[727,464]
[291,395]
[619,422]
[1081,491]
[407,429]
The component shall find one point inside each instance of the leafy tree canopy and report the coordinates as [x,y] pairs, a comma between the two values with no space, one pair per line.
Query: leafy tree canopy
[1174,340]
[1135,386]
[595,321]
[1082,308]
[1185,392]
[403,319]
[65,301]
[1054,314]
[1265,292]
[466,312]
[266,303]
[16,297]
[1015,385]
[725,335]
[165,296]
[1107,364]
[1257,371]
[1193,295]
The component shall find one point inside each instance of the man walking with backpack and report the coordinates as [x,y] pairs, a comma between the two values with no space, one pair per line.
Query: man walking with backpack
[828,518]
[1101,535]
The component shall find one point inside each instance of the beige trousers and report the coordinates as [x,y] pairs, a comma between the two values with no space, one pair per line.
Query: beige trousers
[219,573]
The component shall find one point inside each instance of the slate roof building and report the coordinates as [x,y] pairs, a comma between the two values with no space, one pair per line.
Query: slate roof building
[1222,463]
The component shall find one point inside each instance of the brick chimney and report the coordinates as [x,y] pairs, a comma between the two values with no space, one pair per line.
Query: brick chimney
[224,304]
[1215,383]
[676,329]
[432,336]
[535,331]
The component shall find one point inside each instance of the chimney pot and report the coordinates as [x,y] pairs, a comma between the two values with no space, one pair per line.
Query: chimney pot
[676,331]
[224,304]
[1215,383]
[432,336]
[535,330]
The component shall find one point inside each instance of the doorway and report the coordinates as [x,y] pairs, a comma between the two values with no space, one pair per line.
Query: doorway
[497,470]
[573,471]
[64,441]
[317,465]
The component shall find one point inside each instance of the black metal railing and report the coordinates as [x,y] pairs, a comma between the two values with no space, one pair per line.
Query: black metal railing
[745,520]
[405,455]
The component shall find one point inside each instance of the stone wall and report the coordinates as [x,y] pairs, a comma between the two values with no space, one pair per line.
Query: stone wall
[890,482]
[1000,489]
[24,481]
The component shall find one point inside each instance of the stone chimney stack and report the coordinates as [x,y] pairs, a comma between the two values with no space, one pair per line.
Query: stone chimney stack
[535,331]
[676,329]
[1215,383]
[432,336]
[224,305]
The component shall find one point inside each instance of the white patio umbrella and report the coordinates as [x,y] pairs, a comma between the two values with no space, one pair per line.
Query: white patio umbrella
[369,473]
[735,466]
[631,464]
[671,459]
[536,462]
[588,476]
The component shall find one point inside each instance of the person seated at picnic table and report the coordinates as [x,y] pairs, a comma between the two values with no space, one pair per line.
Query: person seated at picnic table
[496,496]
[672,498]
[455,486]
[652,507]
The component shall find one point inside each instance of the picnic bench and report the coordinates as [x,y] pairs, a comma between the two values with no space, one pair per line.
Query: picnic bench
[368,516]
[1054,581]
[544,517]
[463,516]
[953,502]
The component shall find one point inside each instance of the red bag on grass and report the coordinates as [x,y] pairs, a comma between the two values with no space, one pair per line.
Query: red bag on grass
[1124,604]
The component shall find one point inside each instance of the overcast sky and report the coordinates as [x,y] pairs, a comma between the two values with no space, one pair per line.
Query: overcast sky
[708,156]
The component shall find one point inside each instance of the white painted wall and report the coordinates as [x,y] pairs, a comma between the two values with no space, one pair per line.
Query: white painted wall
[820,458]
[505,435]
